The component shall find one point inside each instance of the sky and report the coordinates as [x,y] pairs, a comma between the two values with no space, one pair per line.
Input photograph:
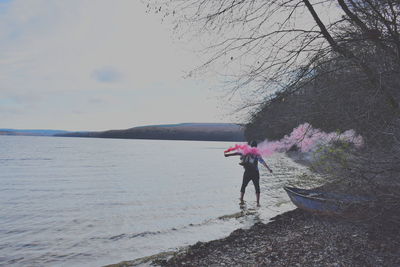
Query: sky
[97,65]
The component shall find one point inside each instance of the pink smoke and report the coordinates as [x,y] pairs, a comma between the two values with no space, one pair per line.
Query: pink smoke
[244,149]
[305,137]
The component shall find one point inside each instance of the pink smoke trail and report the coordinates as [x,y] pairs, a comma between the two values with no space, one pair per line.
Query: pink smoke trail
[307,138]
[304,136]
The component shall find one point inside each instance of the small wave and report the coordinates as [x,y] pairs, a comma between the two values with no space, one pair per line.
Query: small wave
[173,229]
[145,234]
[44,190]
[117,237]
[23,159]
[35,159]
[238,215]
[52,258]
[3,246]
[13,261]
[27,245]
[128,236]
[12,232]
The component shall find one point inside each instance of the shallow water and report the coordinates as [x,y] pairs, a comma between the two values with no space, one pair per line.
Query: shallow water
[91,202]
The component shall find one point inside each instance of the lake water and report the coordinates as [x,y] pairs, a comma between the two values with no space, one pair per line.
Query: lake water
[91,202]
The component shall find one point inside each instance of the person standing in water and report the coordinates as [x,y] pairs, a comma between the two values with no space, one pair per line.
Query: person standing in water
[251,172]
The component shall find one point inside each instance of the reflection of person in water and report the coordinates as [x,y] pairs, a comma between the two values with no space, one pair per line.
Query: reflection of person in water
[251,172]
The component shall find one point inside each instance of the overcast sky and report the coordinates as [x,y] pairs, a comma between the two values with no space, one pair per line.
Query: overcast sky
[94,65]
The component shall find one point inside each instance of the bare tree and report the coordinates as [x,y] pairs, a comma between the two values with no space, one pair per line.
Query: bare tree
[333,63]
[270,46]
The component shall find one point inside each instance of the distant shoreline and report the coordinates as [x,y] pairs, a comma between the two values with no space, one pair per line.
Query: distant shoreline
[184,131]
[223,132]
[143,139]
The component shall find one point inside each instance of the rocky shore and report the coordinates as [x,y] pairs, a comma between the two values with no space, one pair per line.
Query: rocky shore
[298,238]
[295,238]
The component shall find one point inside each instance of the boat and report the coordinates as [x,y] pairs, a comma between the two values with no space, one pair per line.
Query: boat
[326,203]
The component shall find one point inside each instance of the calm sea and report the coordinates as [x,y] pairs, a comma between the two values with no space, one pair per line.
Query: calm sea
[91,202]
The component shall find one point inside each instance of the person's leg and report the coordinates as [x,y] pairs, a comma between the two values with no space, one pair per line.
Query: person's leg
[258,199]
[241,197]
[246,180]
[256,182]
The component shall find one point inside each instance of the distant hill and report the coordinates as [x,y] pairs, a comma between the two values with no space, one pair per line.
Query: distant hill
[183,131]
[31,132]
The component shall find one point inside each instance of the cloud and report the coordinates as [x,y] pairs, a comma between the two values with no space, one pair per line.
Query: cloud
[73,45]
[106,75]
